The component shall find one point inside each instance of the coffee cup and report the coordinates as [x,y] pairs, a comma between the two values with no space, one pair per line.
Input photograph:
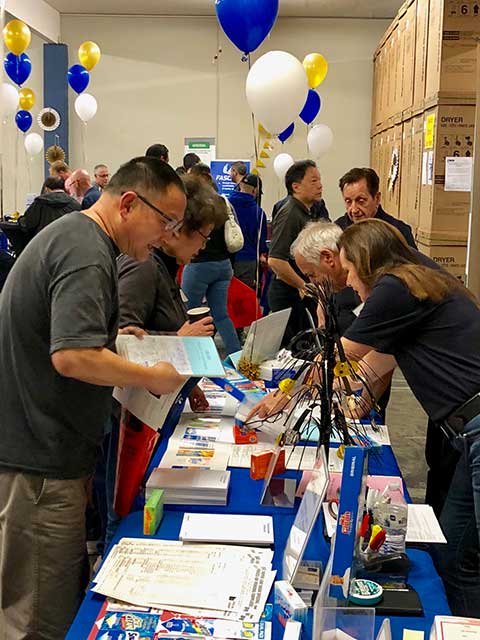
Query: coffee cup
[198,313]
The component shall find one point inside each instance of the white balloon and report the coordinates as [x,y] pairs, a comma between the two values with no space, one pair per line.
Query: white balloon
[33,143]
[282,164]
[85,106]
[277,89]
[319,139]
[8,100]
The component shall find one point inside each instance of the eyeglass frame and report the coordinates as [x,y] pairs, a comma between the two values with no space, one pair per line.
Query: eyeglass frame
[205,238]
[171,224]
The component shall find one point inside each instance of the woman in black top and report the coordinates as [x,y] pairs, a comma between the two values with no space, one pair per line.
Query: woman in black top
[209,276]
[429,324]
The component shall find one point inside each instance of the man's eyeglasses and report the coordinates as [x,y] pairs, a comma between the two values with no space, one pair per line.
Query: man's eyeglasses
[171,224]
[205,238]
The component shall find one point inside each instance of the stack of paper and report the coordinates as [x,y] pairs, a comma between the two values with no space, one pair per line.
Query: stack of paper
[200,580]
[227,528]
[199,443]
[190,486]
[296,458]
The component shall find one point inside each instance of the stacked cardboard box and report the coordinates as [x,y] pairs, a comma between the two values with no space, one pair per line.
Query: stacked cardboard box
[423,112]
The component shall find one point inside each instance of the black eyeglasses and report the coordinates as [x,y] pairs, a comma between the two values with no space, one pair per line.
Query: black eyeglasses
[205,238]
[171,225]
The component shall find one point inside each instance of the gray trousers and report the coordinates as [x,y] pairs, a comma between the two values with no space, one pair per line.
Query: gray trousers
[42,554]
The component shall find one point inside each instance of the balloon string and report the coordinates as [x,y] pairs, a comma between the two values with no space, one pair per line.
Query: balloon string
[253,120]
[28,160]
[15,184]
[84,144]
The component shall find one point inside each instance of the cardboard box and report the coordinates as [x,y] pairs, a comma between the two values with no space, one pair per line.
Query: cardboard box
[451,51]
[411,171]
[406,55]
[391,159]
[420,52]
[453,258]
[448,131]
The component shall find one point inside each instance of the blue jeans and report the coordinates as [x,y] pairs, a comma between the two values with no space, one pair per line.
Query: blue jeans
[211,280]
[458,563]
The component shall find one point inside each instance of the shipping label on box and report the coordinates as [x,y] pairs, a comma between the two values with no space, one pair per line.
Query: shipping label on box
[445,213]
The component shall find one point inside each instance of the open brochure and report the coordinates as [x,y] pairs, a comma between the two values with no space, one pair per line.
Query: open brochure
[191,356]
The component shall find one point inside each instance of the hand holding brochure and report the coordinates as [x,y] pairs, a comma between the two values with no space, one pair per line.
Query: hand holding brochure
[191,356]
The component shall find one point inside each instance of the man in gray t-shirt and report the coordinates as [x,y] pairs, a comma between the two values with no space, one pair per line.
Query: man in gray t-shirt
[58,324]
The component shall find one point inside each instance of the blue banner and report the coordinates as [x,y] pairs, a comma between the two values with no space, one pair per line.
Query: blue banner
[221,174]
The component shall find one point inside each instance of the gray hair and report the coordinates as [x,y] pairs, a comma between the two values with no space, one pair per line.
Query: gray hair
[315,238]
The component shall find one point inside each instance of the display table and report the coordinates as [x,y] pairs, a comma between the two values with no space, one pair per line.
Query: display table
[244,497]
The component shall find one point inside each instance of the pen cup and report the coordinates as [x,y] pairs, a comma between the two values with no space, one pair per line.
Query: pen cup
[197,313]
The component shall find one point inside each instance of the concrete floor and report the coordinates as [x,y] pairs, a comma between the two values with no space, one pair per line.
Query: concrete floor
[407,423]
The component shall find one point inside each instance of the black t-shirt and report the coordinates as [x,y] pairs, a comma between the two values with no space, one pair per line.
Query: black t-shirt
[149,296]
[436,344]
[288,223]
[61,294]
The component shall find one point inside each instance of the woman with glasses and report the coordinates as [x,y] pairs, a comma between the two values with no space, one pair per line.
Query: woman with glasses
[209,274]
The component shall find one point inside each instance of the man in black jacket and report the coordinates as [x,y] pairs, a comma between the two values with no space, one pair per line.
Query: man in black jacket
[46,208]
[361,194]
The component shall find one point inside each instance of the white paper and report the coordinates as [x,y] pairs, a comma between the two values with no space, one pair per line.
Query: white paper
[150,409]
[424,167]
[430,168]
[458,174]
[231,582]
[298,458]
[422,525]
[189,355]
[227,528]
[265,336]
[452,628]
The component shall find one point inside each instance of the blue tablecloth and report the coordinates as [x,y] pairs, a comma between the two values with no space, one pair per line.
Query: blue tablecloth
[244,497]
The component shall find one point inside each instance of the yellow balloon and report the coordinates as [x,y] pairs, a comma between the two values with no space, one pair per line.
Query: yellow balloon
[16,36]
[89,54]
[26,98]
[316,68]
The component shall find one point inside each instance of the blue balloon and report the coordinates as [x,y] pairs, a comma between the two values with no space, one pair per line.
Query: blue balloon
[17,68]
[286,133]
[311,108]
[78,78]
[23,120]
[246,22]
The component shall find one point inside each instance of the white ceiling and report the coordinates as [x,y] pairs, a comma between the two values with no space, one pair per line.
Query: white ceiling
[299,8]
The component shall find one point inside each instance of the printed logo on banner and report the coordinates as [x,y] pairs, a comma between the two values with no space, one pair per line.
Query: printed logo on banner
[221,174]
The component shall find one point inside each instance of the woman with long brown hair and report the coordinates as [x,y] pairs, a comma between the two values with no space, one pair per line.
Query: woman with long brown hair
[429,323]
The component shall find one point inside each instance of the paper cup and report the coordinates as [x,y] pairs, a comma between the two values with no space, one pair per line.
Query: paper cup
[198,313]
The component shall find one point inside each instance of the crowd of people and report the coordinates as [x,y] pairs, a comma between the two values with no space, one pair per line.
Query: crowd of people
[101,256]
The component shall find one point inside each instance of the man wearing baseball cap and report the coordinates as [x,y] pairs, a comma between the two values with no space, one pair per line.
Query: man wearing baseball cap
[253,221]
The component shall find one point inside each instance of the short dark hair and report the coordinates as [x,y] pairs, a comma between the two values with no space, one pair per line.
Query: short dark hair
[240,167]
[203,205]
[203,170]
[189,159]
[53,182]
[157,151]
[145,174]
[99,166]
[361,173]
[296,173]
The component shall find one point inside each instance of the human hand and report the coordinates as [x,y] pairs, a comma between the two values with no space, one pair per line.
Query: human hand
[201,328]
[132,331]
[197,399]
[163,379]
[272,403]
